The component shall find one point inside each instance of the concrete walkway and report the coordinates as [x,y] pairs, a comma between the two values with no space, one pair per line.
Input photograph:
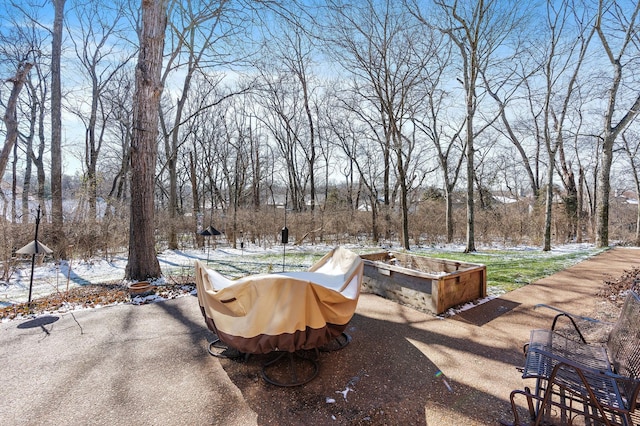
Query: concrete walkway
[148,365]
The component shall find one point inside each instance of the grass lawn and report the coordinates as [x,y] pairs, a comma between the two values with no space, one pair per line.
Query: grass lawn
[507,269]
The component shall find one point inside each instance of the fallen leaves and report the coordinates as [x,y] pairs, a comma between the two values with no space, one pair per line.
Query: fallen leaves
[615,288]
[87,297]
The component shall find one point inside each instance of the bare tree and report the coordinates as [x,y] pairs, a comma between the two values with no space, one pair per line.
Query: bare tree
[388,53]
[38,91]
[477,29]
[24,40]
[283,117]
[617,28]
[449,150]
[631,146]
[571,198]
[30,37]
[564,57]
[198,139]
[118,98]
[9,118]
[293,48]
[505,92]
[348,41]
[336,131]
[443,132]
[143,262]
[195,29]
[57,217]
[360,144]
[236,167]
[97,37]
[206,140]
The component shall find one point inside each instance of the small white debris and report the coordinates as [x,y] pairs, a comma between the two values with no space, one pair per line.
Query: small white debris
[345,392]
[331,400]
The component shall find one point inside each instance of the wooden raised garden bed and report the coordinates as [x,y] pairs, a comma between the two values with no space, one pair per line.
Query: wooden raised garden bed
[424,283]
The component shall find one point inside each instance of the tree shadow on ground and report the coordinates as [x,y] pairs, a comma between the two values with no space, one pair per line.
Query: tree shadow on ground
[381,377]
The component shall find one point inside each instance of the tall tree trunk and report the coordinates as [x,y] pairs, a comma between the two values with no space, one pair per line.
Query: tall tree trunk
[374,219]
[581,184]
[14,186]
[604,191]
[471,239]
[548,213]
[91,156]
[173,200]
[57,218]
[311,159]
[571,197]
[196,199]
[41,176]
[402,177]
[387,186]
[449,211]
[33,122]
[256,166]
[143,262]
[39,160]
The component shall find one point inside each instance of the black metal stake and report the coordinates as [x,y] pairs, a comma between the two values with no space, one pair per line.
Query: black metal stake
[285,231]
[283,256]
[33,257]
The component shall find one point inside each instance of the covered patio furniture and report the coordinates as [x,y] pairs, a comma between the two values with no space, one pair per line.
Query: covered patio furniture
[282,312]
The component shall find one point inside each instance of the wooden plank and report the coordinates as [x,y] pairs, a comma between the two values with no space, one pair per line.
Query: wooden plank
[387,277]
[399,288]
[454,290]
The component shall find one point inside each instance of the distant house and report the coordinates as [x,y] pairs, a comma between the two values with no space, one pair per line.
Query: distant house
[628,197]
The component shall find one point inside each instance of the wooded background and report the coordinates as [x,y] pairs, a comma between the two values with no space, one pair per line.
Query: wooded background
[415,122]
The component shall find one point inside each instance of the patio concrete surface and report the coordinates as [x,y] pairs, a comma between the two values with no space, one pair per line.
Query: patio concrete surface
[149,365]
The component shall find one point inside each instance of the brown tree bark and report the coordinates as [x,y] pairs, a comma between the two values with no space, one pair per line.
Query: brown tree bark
[143,262]
[57,218]
[193,177]
[9,118]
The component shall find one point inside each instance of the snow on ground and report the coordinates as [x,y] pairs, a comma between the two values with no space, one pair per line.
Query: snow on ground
[50,277]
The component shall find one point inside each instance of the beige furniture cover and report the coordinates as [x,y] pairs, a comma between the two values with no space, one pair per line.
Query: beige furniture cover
[282,311]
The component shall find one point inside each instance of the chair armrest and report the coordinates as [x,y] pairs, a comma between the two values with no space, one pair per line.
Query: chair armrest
[571,315]
[572,319]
